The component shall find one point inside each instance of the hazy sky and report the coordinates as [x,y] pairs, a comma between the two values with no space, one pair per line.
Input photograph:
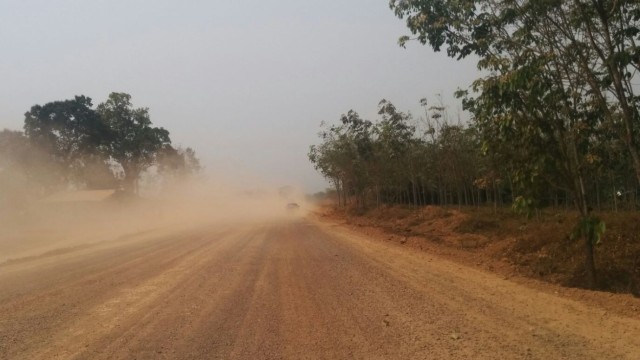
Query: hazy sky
[245,83]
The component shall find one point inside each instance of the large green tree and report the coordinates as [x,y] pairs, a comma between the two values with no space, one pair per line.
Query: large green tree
[342,156]
[558,74]
[132,140]
[394,147]
[589,45]
[71,133]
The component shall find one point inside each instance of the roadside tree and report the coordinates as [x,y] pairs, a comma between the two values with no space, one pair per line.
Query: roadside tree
[71,134]
[557,71]
[132,140]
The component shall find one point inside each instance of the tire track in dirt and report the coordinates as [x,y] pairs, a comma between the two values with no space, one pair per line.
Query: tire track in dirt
[60,296]
[501,314]
[176,323]
[295,289]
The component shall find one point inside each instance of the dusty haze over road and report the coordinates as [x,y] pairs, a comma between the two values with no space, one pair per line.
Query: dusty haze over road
[191,267]
[285,287]
[246,84]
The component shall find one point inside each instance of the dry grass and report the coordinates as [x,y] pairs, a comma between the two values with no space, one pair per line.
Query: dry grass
[539,248]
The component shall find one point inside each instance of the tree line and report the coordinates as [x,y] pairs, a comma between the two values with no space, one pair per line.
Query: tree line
[71,144]
[554,115]
[399,159]
[437,160]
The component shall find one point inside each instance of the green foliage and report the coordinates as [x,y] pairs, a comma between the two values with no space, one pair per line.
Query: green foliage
[178,163]
[524,206]
[346,154]
[132,140]
[557,70]
[560,76]
[69,144]
[66,129]
[71,135]
[592,228]
[390,160]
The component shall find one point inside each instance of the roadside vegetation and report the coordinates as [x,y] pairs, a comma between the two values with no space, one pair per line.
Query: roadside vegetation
[72,145]
[501,241]
[554,121]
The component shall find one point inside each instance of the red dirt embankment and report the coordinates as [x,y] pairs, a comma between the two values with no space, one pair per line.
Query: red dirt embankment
[510,244]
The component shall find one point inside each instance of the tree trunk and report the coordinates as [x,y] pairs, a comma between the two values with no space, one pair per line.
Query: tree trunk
[590,266]
[130,180]
[585,211]
[339,192]
[598,195]
[495,197]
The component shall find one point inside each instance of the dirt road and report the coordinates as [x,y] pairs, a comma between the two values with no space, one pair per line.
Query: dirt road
[293,289]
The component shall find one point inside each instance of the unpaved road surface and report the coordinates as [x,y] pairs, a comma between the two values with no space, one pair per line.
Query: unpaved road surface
[295,289]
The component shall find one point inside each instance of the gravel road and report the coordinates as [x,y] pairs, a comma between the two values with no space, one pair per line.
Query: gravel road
[290,289]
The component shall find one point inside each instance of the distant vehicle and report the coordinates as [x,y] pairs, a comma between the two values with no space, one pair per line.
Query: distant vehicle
[293,206]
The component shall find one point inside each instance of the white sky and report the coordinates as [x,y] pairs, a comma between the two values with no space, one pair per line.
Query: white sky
[245,83]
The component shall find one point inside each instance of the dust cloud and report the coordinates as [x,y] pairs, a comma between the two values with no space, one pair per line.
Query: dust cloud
[69,220]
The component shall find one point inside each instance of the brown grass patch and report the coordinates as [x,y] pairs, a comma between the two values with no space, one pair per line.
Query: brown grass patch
[539,247]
